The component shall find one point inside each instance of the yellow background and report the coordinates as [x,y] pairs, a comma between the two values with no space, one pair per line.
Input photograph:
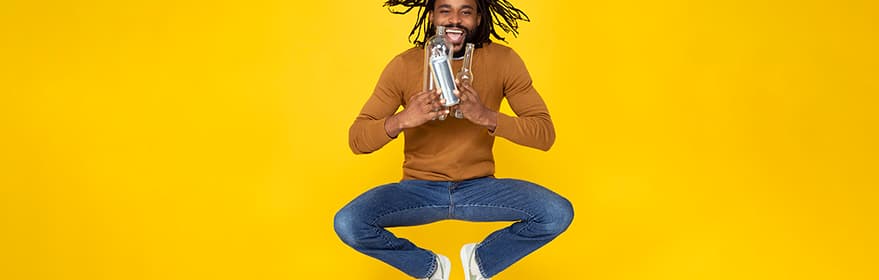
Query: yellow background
[208,139]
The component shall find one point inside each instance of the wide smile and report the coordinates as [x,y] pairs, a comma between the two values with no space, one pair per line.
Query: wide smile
[455,36]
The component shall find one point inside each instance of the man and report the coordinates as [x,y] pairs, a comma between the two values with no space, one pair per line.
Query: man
[448,172]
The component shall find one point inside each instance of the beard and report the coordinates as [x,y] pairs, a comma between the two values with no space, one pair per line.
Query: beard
[470,38]
[460,53]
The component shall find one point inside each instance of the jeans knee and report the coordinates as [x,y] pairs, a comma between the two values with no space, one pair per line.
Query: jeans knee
[345,225]
[559,215]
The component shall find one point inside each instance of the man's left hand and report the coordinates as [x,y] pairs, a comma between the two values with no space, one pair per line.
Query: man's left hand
[473,109]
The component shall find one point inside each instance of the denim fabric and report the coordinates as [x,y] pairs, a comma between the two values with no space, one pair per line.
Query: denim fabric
[540,216]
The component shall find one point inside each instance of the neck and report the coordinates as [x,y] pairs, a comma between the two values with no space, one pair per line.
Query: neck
[459,55]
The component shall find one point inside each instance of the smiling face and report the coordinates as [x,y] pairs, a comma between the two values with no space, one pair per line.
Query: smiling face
[460,19]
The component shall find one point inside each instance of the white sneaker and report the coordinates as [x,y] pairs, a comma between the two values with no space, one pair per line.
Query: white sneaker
[468,258]
[444,266]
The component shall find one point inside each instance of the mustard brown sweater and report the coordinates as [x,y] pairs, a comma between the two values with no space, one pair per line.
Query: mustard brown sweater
[455,149]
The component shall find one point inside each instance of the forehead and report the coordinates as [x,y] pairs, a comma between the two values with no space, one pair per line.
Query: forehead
[454,3]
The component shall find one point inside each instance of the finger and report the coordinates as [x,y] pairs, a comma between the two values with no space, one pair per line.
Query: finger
[436,98]
[461,95]
[438,114]
[471,94]
[427,97]
[417,97]
[469,88]
[468,91]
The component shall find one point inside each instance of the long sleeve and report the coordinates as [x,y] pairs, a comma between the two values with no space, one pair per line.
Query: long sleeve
[454,149]
[532,125]
[368,134]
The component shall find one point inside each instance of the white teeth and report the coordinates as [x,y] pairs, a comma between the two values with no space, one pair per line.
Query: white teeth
[454,31]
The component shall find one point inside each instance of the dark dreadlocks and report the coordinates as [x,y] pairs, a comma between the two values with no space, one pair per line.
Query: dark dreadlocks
[492,12]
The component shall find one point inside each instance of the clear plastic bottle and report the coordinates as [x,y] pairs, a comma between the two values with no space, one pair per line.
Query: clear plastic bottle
[466,73]
[439,54]
[465,76]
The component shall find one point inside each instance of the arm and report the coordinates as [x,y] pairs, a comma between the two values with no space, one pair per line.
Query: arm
[532,125]
[422,107]
[376,125]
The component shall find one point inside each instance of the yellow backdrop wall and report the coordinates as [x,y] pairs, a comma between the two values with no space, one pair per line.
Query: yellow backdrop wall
[208,139]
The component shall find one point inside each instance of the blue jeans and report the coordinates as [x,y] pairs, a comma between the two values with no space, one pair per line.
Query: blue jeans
[540,216]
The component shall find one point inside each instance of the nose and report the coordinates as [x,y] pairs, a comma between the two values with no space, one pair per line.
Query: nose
[455,19]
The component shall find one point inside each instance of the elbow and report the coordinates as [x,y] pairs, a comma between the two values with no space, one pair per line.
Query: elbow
[358,140]
[550,142]
[549,137]
[352,140]
[356,149]
[547,142]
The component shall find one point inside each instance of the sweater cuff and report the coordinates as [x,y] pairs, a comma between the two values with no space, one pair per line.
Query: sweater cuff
[504,124]
[375,132]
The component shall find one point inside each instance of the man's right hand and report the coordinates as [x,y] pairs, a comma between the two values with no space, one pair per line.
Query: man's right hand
[422,107]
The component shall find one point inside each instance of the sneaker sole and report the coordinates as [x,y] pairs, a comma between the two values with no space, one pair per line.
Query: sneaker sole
[445,265]
[465,259]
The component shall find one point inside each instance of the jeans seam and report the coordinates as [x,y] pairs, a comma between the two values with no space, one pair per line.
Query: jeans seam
[500,206]
[451,202]
[487,241]
[434,265]
[379,216]
[380,228]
